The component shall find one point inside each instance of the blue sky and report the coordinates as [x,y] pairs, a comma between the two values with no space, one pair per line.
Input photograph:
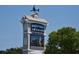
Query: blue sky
[11,28]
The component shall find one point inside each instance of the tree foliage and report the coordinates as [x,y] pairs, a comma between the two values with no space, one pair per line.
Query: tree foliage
[63,41]
[12,51]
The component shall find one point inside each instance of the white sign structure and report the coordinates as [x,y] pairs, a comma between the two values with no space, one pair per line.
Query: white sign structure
[33,33]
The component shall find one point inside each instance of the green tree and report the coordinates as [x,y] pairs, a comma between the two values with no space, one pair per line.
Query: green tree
[12,51]
[2,52]
[63,41]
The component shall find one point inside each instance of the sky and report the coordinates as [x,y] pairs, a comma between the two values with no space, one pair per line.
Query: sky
[58,16]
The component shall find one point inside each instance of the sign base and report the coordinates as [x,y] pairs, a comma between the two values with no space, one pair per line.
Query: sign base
[35,51]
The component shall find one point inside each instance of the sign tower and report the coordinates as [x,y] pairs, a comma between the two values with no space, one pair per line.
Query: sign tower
[34,29]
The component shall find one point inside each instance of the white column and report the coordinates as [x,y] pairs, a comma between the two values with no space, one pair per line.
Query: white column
[25,39]
[29,36]
[44,39]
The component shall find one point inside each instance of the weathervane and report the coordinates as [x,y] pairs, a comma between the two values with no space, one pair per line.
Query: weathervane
[34,11]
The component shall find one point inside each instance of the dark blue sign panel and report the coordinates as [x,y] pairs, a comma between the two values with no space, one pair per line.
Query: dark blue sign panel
[37,36]
[37,27]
